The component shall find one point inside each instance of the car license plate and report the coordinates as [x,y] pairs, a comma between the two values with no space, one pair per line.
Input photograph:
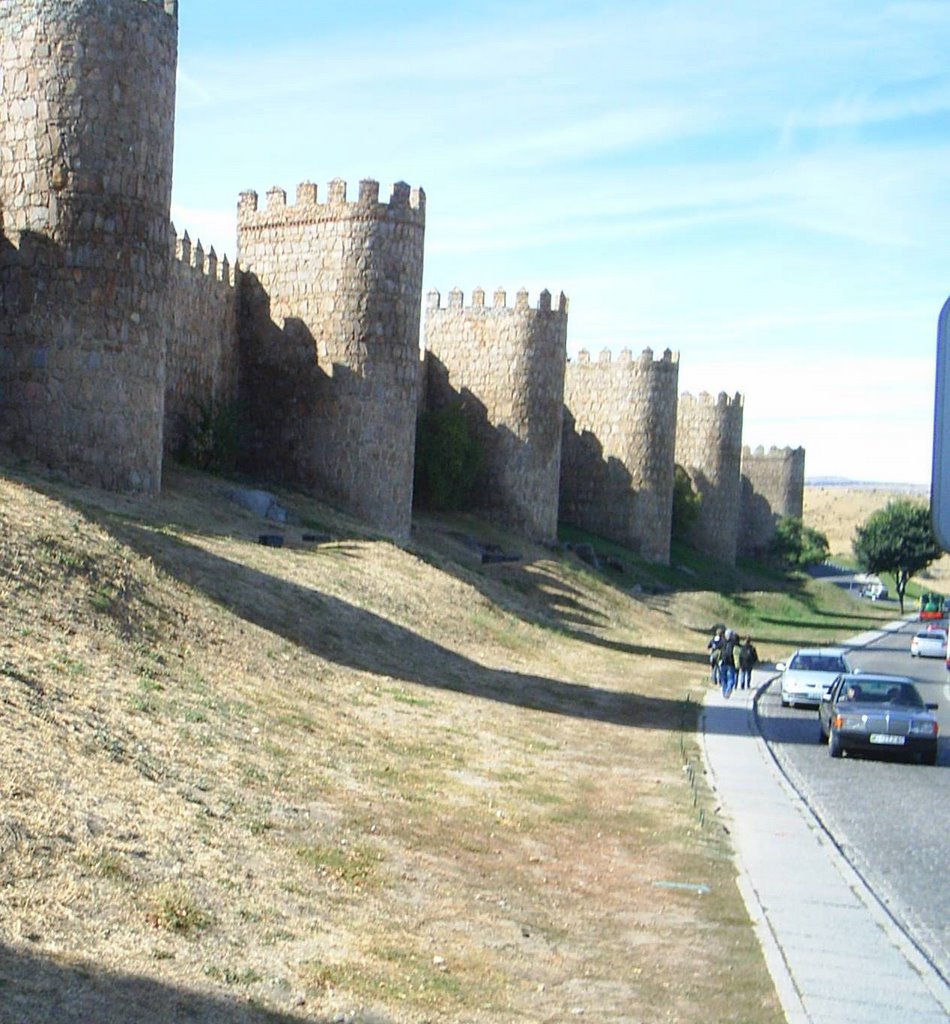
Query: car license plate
[892,741]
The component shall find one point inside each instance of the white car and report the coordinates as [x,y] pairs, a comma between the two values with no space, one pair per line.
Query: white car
[929,643]
[809,674]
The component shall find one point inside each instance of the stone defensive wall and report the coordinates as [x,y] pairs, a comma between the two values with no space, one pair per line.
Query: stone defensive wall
[772,488]
[506,365]
[331,297]
[709,448]
[118,339]
[201,349]
[618,448]
[86,139]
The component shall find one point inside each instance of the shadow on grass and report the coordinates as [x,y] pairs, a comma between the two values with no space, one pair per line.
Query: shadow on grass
[523,589]
[358,639]
[361,640]
[35,989]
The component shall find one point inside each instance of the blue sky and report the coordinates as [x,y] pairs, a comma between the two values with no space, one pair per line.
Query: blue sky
[762,187]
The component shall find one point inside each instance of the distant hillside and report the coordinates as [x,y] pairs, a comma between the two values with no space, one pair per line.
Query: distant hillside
[869,485]
[837,509]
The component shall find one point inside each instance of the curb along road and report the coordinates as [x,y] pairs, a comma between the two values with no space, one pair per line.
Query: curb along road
[852,826]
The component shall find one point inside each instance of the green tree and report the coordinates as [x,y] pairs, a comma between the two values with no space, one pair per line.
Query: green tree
[211,438]
[897,539]
[796,545]
[448,459]
[686,503]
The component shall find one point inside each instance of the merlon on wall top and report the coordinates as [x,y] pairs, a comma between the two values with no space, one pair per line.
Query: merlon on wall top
[403,200]
[774,452]
[456,300]
[194,256]
[626,357]
[722,401]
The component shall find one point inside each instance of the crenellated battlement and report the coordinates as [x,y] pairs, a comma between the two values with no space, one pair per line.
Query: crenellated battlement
[617,456]
[773,488]
[456,300]
[668,362]
[331,301]
[506,363]
[313,331]
[709,448]
[773,452]
[705,400]
[194,257]
[200,339]
[404,203]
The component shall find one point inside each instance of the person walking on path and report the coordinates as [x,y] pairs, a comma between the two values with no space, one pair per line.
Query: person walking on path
[715,651]
[748,659]
[727,663]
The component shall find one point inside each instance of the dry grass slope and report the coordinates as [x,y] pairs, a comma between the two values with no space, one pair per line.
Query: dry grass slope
[346,781]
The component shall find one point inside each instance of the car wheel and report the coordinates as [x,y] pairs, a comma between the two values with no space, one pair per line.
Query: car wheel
[785,702]
[834,745]
[822,735]
[929,757]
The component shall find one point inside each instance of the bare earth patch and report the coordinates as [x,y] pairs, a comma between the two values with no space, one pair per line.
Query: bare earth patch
[344,781]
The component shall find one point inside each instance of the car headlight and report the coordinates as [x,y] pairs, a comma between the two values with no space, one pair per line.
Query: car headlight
[849,722]
[923,727]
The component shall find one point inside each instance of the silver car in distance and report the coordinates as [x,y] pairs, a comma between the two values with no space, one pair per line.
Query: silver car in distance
[809,673]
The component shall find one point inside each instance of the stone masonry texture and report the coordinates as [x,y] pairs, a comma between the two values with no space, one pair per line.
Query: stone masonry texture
[331,298]
[506,365]
[772,488]
[709,448]
[618,449]
[201,347]
[119,340]
[87,99]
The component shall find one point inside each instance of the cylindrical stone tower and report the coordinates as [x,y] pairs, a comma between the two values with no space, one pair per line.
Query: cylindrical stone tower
[506,365]
[709,448]
[618,447]
[773,488]
[331,299]
[86,142]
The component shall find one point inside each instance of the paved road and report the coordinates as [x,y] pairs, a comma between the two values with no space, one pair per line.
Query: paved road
[891,820]
[835,955]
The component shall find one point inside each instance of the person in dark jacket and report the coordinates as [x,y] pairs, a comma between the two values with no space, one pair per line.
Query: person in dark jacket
[748,659]
[727,662]
[715,651]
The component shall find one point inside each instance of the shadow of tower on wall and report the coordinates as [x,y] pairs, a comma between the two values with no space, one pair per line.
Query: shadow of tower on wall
[597,490]
[280,385]
[498,448]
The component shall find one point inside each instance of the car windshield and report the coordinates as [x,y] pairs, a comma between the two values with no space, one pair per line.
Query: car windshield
[881,691]
[818,663]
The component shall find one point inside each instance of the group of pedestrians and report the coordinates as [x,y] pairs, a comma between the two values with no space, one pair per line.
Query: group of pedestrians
[730,661]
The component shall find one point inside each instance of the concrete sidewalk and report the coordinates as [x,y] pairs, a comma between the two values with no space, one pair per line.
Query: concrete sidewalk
[834,954]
